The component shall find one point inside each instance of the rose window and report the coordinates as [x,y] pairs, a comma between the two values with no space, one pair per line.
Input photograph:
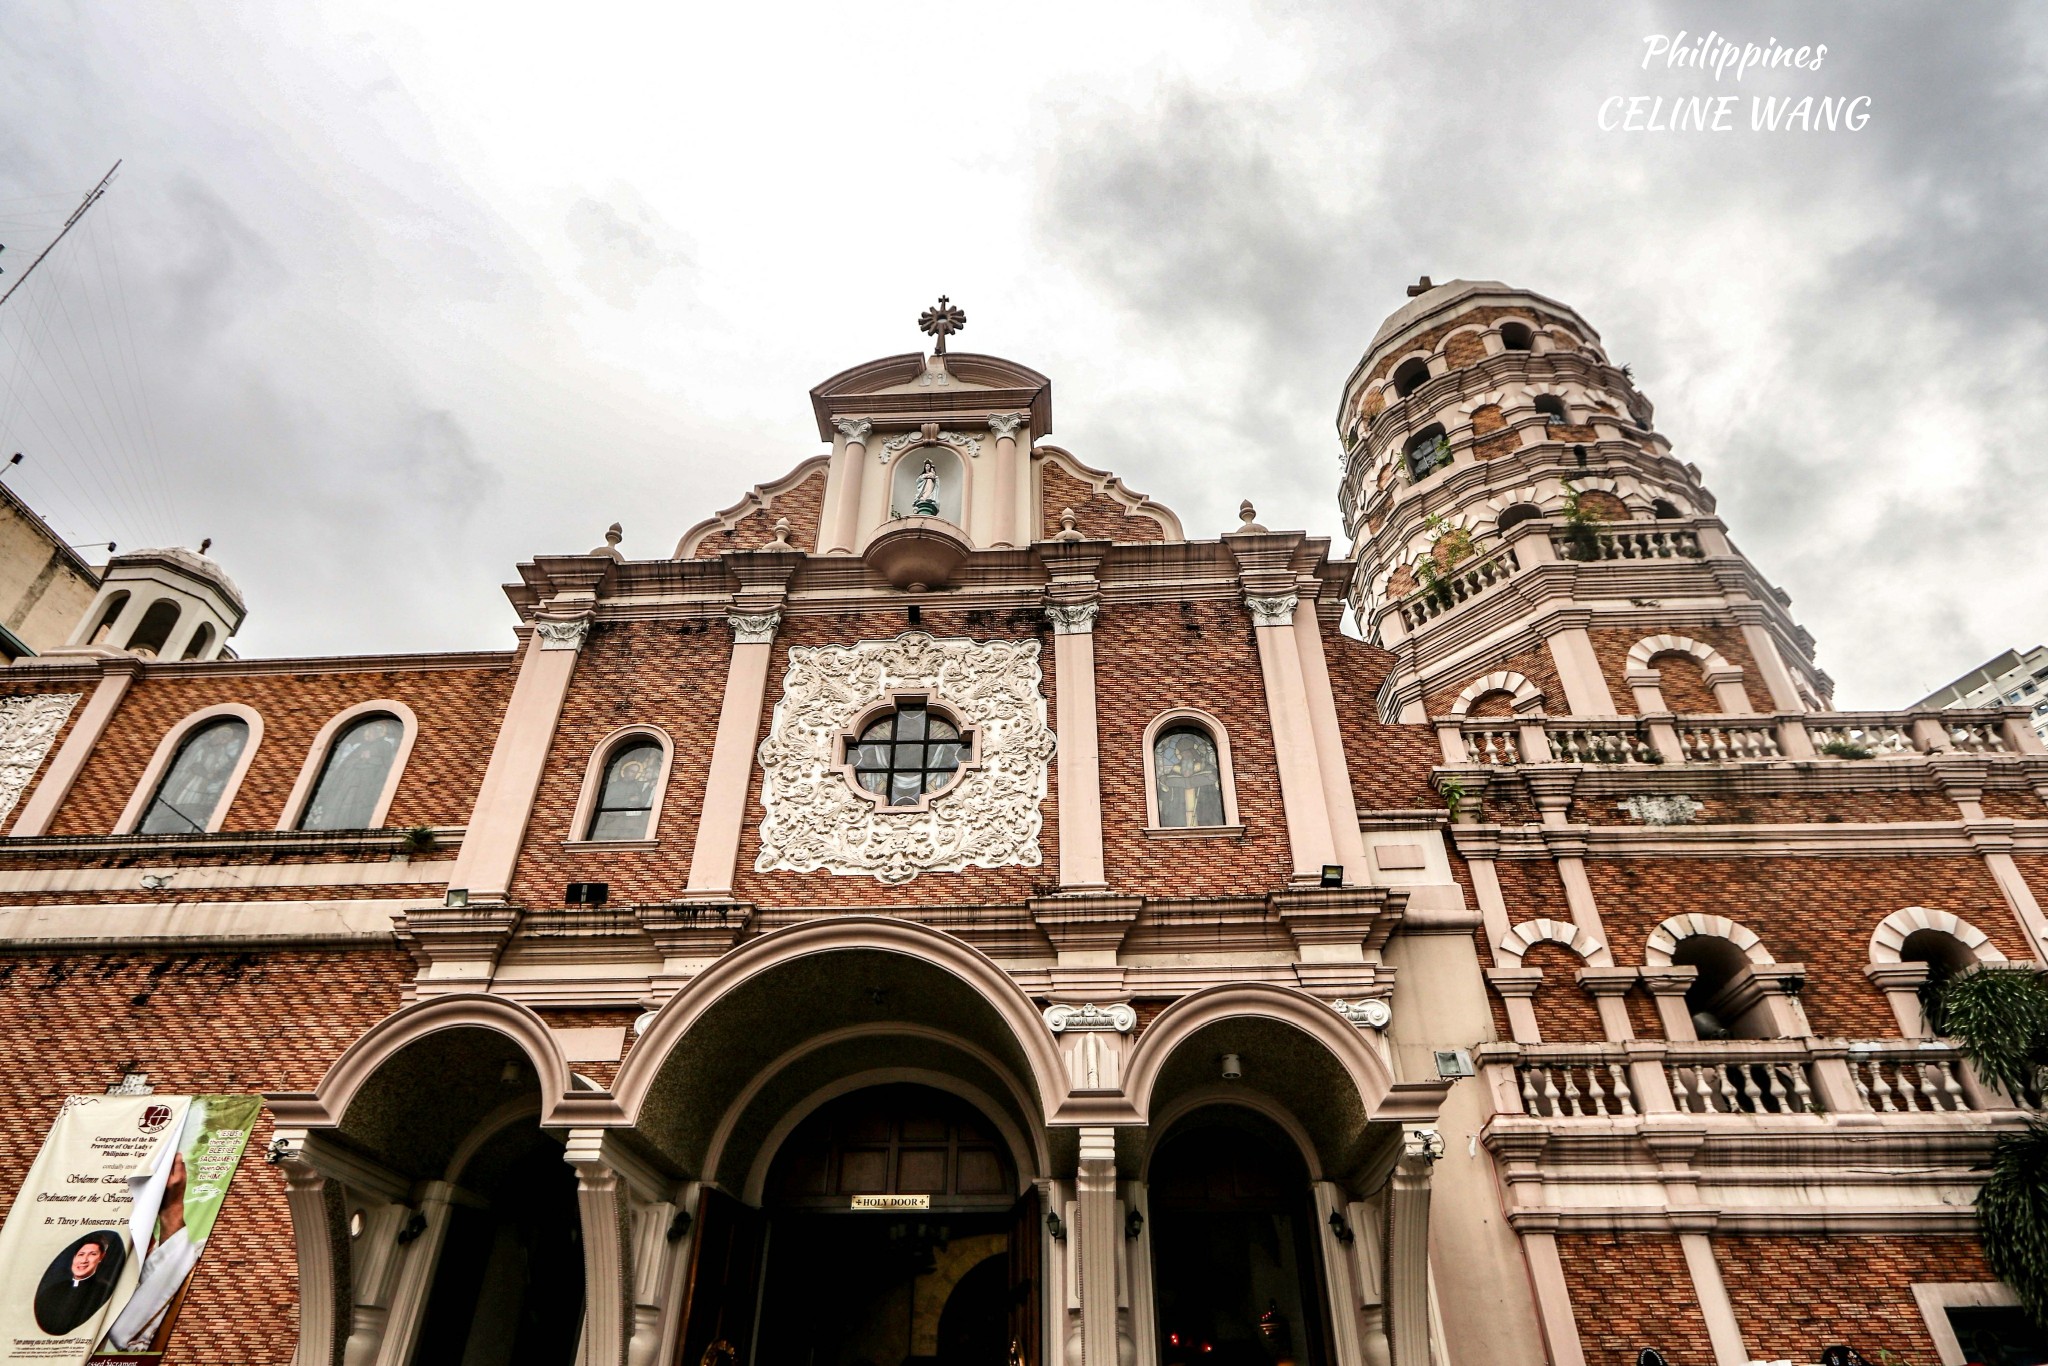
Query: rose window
[907,753]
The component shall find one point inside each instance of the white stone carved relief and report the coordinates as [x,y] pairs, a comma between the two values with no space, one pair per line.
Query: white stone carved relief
[753,628]
[815,820]
[28,727]
[1275,611]
[1662,810]
[966,445]
[1371,1013]
[1072,619]
[1006,424]
[1071,1019]
[562,635]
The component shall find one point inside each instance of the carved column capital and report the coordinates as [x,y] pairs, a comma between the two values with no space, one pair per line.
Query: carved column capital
[1005,425]
[1277,610]
[562,634]
[855,429]
[753,628]
[1072,618]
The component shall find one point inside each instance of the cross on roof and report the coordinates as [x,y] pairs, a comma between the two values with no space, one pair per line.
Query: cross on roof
[941,322]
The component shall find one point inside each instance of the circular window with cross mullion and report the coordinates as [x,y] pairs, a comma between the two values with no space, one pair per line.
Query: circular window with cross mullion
[907,753]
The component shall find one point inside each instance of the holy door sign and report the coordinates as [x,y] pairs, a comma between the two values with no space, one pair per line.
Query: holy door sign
[892,1202]
[99,1247]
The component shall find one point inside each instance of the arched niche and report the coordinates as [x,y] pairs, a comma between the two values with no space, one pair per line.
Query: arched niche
[952,477]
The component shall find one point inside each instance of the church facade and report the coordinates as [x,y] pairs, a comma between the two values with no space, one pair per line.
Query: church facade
[947,911]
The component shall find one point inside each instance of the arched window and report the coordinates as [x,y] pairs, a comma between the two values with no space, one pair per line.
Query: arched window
[185,800]
[1719,1009]
[352,782]
[907,753]
[1664,507]
[1516,515]
[115,606]
[625,801]
[1187,778]
[201,639]
[1409,375]
[157,624]
[1428,452]
[1515,336]
[1551,406]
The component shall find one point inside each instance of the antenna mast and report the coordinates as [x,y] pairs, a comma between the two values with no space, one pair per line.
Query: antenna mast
[76,214]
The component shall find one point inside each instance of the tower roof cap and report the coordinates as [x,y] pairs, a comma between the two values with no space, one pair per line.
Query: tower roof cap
[189,562]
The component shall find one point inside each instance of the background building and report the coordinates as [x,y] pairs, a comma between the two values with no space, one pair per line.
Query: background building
[2011,679]
[944,911]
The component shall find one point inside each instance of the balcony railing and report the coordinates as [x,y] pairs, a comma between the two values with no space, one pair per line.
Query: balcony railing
[1622,541]
[1735,1077]
[1804,736]
[1461,584]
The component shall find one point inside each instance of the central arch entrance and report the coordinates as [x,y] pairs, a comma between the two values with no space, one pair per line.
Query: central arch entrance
[890,1220]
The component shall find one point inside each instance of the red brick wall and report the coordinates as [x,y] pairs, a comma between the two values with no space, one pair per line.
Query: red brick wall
[1535,665]
[2019,806]
[1389,765]
[1795,1296]
[1096,515]
[1143,658]
[1426,342]
[669,674]
[1817,911]
[211,1024]
[802,503]
[458,709]
[1632,1290]
[1564,1012]
[83,689]
[1463,349]
[1684,684]
[1611,646]
[1487,419]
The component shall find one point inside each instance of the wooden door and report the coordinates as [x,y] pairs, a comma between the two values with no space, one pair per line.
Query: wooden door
[725,1277]
[1027,1246]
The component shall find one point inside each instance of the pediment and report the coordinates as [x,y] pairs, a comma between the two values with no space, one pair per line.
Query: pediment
[903,391]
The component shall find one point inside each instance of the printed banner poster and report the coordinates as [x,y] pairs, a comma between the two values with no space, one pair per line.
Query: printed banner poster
[99,1247]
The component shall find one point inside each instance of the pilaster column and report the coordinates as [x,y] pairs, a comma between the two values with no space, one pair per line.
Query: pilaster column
[1100,1246]
[732,754]
[1578,668]
[416,1276]
[1901,983]
[1338,799]
[1763,647]
[320,1238]
[1609,988]
[1079,754]
[504,801]
[1007,531]
[1294,747]
[1553,1299]
[625,1207]
[1715,1306]
[849,468]
[1518,988]
[41,808]
[1667,987]
[1407,1265]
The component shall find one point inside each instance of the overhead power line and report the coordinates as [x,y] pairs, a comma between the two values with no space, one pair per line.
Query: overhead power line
[76,214]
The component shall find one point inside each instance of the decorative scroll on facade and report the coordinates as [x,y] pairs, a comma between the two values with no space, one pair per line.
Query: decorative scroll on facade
[28,727]
[815,820]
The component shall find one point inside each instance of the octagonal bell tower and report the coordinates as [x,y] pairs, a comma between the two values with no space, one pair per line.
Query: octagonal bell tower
[1526,542]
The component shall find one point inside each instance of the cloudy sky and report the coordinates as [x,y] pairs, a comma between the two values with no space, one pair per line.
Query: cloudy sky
[387,298]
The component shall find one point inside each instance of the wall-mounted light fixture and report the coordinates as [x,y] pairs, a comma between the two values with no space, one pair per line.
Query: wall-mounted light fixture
[1134,1223]
[1333,875]
[1233,1067]
[458,897]
[1056,1226]
[1341,1226]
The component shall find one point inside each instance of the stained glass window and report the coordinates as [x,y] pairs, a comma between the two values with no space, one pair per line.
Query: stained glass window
[1187,779]
[626,801]
[352,780]
[907,753]
[185,799]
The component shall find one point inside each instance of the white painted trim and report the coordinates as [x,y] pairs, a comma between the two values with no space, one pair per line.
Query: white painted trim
[167,749]
[1665,938]
[593,780]
[1527,935]
[1890,936]
[1936,1297]
[316,760]
[1508,682]
[1227,775]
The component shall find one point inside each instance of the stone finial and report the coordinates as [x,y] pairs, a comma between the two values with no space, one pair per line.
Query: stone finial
[781,541]
[1420,288]
[1248,516]
[206,545]
[1068,531]
[613,534]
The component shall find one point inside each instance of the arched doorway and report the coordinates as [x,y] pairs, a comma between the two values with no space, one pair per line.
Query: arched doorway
[890,1214]
[1233,1251]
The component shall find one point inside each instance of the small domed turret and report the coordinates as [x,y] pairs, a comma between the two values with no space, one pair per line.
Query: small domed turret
[163,603]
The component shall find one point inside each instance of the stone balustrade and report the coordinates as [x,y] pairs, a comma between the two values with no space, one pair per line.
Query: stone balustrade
[1736,1077]
[1624,541]
[1459,585]
[1830,737]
